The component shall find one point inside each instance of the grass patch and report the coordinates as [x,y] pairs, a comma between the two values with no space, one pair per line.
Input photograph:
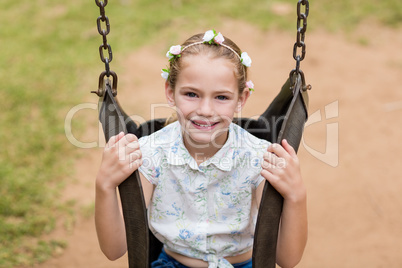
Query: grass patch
[50,47]
[29,253]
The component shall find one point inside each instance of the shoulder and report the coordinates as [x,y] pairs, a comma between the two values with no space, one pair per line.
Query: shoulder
[243,139]
[162,138]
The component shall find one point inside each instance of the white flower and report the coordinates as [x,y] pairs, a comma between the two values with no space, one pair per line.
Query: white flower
[165,74]
[208,36]
[168,54]
[219,39]
[245,59]
[175,50]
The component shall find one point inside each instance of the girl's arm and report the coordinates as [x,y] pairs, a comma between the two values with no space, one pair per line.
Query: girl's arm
[281,168]
[121,158]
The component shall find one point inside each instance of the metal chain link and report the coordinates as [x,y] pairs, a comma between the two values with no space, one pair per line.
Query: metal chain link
[301,31]
[105,47]
[300,37]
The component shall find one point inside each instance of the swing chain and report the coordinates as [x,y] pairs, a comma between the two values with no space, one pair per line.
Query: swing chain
[105,46]
[300,37]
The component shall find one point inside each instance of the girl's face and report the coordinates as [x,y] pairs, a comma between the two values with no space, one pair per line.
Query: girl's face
[206,97]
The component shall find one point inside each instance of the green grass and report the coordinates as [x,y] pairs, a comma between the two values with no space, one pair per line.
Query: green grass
[49,49]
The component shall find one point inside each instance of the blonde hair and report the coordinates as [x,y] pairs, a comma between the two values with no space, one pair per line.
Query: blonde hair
[216,51]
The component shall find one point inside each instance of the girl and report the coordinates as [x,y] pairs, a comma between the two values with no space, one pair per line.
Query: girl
[202,175]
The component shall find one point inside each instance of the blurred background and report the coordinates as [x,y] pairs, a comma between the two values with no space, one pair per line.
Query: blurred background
[51,144]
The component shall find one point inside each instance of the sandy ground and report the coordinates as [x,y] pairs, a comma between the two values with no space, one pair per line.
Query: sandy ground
[349,153]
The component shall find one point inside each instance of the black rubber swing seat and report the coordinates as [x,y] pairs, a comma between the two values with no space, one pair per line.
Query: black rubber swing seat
[283,119]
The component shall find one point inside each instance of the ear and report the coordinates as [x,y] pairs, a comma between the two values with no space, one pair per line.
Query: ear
[169,92]
[242,99]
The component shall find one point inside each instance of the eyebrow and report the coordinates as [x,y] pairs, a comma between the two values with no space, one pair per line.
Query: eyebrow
[222,91]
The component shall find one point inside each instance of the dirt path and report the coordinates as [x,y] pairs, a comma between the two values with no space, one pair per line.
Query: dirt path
[349,157]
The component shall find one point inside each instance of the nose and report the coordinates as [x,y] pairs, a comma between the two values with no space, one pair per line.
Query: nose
[205,108]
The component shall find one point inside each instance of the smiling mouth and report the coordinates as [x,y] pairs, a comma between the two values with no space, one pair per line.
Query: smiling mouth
[204,125]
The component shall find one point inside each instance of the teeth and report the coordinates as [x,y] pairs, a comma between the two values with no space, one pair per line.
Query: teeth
[201,125]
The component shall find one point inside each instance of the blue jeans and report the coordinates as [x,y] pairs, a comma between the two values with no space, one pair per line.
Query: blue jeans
[165,261]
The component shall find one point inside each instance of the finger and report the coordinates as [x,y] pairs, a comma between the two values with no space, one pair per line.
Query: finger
[278,162]
[132,144]
[128,138]
[271,178]
[135,155]
[277,149]
[271,158]
[131,137]
[266,174]
[291,151]
[268,166]
[135,164]
[129,141]
[274,180]
[114,139]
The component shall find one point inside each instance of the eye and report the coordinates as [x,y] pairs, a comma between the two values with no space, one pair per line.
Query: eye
[222,97]
[191,94]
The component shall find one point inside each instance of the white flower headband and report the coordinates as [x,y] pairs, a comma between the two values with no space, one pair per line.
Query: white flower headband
[210,37]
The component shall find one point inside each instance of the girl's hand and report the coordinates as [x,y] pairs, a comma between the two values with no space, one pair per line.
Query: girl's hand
[121,157]
[282,170]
